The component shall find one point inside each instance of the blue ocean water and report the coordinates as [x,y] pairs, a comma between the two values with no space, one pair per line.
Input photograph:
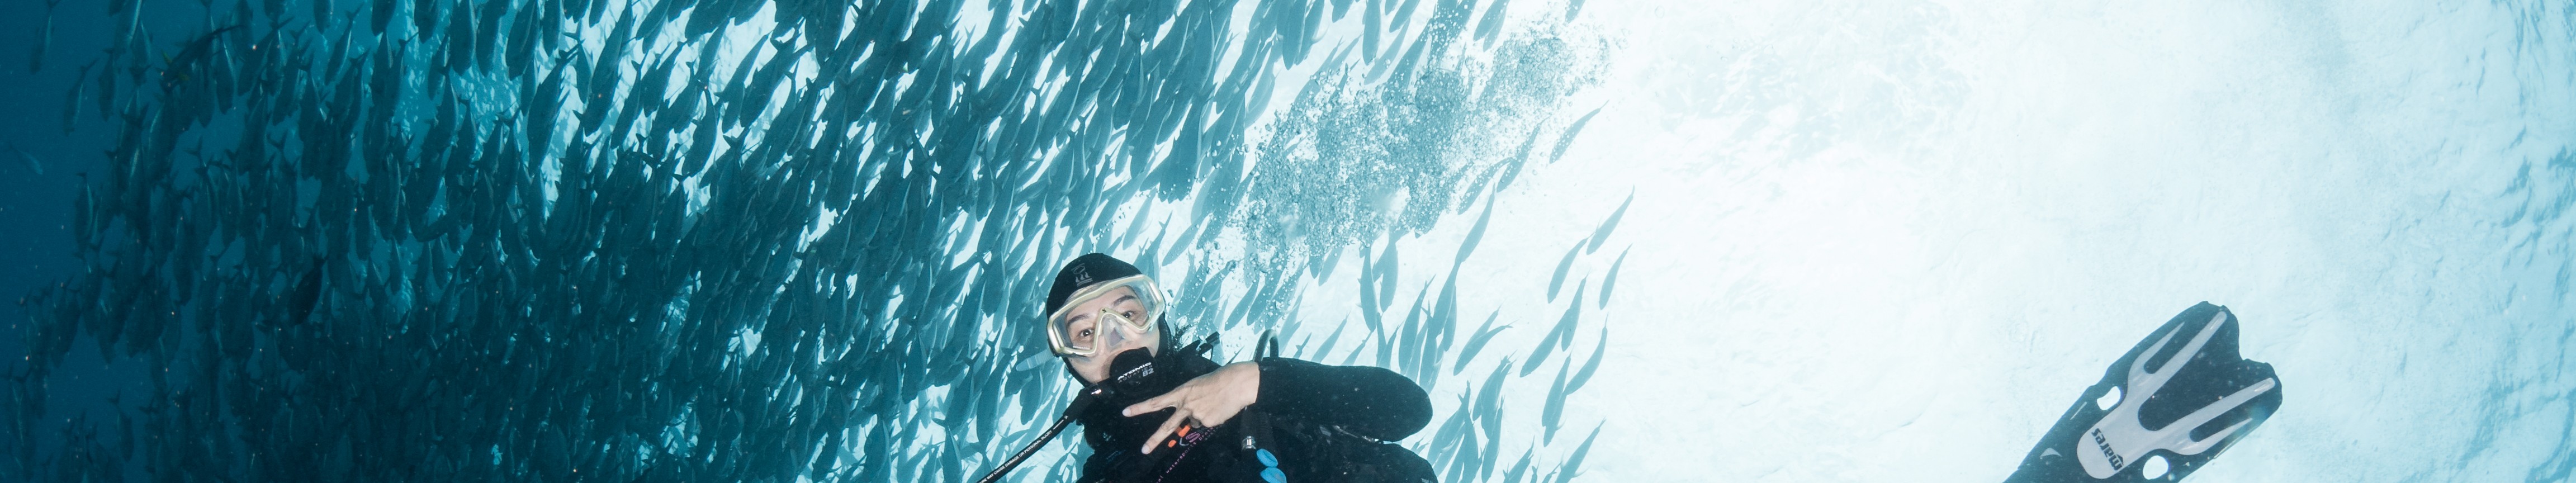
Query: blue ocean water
[1783,241]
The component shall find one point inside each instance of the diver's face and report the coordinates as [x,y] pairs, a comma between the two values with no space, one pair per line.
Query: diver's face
[1088,325]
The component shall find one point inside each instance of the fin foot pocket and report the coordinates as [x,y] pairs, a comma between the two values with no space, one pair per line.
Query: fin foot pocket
[2162,410]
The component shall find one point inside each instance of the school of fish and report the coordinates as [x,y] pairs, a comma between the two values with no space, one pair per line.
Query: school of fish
[772,240]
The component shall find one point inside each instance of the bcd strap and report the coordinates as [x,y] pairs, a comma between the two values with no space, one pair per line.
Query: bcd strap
[1269,346]
[1260,445]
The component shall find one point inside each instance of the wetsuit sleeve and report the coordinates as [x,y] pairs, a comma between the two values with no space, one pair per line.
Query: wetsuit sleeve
[1093,467]
[1368,401]
[1107,459]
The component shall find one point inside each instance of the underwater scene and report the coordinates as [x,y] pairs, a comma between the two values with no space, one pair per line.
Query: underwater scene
[833,241]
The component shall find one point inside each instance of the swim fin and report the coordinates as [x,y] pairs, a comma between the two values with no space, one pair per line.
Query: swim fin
[2175,401]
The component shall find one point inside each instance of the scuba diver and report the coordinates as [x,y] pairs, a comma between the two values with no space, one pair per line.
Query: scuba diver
[1155,411]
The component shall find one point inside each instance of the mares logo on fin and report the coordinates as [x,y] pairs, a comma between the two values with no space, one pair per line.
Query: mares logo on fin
[2105,445]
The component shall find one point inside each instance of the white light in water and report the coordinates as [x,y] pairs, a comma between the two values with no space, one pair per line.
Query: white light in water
[2155,467]
[2108,399]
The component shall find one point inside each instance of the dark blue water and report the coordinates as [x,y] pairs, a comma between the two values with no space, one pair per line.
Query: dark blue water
[687,241]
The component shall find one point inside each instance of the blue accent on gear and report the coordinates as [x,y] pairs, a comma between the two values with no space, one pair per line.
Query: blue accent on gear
[1272,473]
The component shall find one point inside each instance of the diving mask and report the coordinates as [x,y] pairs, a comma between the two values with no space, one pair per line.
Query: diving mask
[1103,314]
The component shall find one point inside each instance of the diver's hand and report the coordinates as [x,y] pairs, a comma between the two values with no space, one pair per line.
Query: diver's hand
[1209,400]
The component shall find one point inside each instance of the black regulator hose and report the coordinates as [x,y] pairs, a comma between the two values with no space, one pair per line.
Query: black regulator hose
[1081,403]
[1133,367]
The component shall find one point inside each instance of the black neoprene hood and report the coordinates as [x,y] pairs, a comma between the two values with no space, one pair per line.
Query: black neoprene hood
[1082,272]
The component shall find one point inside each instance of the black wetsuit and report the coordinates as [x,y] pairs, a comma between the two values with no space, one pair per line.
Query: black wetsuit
[1311,423]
